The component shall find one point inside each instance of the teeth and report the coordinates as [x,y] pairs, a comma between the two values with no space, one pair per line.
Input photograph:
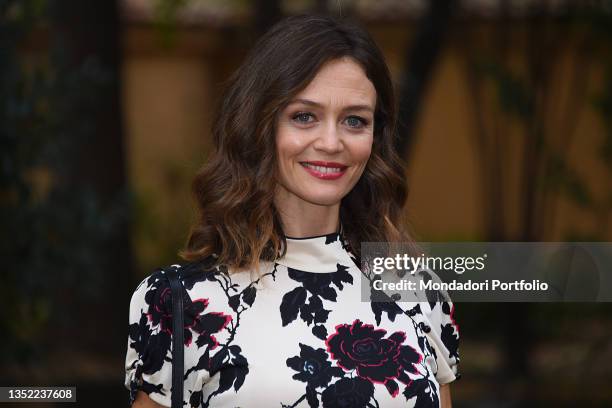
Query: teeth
[322,169]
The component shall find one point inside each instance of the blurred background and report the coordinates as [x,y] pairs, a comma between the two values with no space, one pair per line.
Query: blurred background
[105,108]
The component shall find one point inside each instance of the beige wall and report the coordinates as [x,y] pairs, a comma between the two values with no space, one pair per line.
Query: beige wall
[169,93]
[167,98]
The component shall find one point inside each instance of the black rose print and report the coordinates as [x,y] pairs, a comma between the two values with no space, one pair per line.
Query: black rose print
[159,315]
[348,393]
[313,367]
[375,357]
[151,337]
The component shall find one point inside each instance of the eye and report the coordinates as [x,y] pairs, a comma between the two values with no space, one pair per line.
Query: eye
[303,117]
[356,122]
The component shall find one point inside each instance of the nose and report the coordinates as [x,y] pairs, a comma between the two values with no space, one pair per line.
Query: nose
[329,139]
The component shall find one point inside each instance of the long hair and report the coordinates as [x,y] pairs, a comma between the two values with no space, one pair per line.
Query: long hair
[238,223]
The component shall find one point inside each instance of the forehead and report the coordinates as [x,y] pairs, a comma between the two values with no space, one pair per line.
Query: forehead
[340,81]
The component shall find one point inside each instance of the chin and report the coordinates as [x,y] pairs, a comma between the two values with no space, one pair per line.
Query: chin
[323,199]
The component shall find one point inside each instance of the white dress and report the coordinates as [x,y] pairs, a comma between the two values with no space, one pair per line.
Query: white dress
[299,336]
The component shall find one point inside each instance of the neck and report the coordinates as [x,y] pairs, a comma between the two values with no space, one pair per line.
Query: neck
[302,219]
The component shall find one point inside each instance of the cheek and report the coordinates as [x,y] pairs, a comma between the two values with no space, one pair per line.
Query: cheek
[288,144]
[289,147]
[361,150]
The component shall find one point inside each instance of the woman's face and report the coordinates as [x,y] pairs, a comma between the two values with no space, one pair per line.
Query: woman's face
[324,135]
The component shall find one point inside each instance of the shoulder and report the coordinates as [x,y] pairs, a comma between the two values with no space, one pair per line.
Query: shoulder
[148,363]
[153,293]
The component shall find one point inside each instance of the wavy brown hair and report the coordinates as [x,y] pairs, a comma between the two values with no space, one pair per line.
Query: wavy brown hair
[234,189]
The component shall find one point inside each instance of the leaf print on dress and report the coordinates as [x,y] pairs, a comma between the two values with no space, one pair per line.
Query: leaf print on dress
[319,286]
[381,302]
[450,331]
[152,349]
[228,360]
[424,390]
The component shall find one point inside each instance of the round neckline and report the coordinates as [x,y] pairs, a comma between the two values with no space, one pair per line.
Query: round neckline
[313,236]
[337,233]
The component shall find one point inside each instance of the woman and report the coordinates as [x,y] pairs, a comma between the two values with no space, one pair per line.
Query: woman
[303,171]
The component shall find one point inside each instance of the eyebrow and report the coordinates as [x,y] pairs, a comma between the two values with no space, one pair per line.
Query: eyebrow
[318,105]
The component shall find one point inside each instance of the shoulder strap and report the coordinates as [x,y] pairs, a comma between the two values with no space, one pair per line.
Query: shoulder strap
[177,338]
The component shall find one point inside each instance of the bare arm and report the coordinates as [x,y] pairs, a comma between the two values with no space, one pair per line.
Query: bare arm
[445,396]
[143,401]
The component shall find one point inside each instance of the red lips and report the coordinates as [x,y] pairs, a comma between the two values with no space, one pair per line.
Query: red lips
[327,164]
[325,175]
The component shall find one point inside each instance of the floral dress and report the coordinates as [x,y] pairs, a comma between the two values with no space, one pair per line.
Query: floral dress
[297,335]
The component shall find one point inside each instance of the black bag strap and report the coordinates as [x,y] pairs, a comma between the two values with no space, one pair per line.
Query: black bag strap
[177,338]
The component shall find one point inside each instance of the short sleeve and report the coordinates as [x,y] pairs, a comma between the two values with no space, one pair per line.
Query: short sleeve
[444,337]
[148,362]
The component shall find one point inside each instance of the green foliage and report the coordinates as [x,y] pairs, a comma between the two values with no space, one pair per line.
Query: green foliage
[603,105]
[515,98]
[513,93]
[156,238]
[563,178]
[54,230]
[165,14]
